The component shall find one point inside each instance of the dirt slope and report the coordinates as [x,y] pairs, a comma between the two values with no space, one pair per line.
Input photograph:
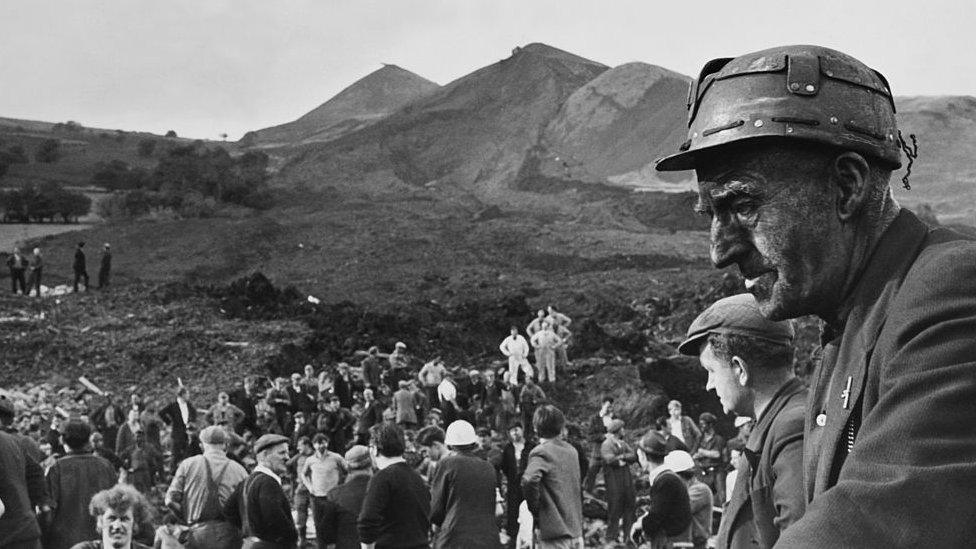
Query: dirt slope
[472,134]
[360,104]
[617,124]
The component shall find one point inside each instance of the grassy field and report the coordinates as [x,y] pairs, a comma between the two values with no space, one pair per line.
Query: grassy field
[17,234]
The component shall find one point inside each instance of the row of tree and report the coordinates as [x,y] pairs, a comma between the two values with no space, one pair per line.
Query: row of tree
[192,171]
[46,202]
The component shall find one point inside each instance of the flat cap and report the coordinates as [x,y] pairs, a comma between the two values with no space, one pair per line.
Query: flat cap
[654,444]
[738,314]
[267,441]
[213,435]
[357,457]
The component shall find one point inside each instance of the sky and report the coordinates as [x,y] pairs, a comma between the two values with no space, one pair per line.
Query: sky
[207,67]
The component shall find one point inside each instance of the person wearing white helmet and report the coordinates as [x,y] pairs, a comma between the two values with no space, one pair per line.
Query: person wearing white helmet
[699,495]
[462,503]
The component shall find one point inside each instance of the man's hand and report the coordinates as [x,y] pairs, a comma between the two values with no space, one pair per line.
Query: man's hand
[637,530]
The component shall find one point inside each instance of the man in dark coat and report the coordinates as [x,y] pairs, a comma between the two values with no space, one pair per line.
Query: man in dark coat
[246,399]
[105,267]
[72,481]
[515,456]
[463,494]
[802,204]
[749,361]
[178,415]
[669,511]
[259,506]
[18,266]
[80,267]
[21,480]
[340,512]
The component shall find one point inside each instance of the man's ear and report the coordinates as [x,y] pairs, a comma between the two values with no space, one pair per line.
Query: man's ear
[852,176]
[741,371]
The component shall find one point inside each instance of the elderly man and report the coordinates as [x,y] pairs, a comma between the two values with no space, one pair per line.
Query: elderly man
[200,488]
[749,361]
[259,505]
[794,148]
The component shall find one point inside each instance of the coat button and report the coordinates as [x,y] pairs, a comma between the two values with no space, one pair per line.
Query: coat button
[821,420]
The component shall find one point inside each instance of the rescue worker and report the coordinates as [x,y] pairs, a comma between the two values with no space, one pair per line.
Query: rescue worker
[794,148]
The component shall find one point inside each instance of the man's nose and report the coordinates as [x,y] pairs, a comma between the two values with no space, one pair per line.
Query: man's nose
[728,241]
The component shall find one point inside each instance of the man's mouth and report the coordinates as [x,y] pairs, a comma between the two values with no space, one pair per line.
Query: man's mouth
[754,279]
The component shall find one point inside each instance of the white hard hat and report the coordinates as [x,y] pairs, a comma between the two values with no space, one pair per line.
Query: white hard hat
[679,461]
[460,433]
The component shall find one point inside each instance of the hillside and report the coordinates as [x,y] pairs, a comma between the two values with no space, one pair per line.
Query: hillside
[944,174]
[472,135]
[82,148]
[362,103]
[615,126]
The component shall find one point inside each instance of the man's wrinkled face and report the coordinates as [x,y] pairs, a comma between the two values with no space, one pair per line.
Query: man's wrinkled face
[723,378]
[771,217]
[116,527]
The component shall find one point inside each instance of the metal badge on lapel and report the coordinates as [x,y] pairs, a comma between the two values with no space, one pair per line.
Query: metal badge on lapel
[846,393]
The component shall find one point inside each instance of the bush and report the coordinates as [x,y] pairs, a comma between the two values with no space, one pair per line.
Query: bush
[146,147]
[48,151]
[44,203]
[171,133]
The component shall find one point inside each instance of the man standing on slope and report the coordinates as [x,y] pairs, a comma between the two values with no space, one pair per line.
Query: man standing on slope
[80,267]
[794,148]
[516,348]
[749,361]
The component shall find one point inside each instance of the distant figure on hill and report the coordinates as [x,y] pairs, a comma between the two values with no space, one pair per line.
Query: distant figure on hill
[80,266]
[17,264]
[516,348]
[105,269]
[35,265]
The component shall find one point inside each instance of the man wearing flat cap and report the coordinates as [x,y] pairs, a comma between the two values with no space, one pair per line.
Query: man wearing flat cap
[668,512]
[794,148]
[342,506]
[617,456]
[259,505]
[749,361]
[201,487]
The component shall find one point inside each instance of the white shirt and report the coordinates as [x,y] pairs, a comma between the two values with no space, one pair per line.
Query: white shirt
[447,391]
[515,346]
[656,472]
[676,429]
[267,471]
[184,410]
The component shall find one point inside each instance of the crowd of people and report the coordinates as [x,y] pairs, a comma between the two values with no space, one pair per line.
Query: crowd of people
[26,271]
[876,452]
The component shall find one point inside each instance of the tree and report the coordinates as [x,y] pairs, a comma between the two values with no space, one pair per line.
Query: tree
[146,147]
[171,133]
[48,151]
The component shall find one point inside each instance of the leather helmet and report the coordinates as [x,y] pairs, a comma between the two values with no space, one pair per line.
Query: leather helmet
[796,92]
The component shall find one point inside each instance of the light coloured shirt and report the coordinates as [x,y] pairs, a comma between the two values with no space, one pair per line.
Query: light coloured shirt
[676,428]
[184,410]
[447,391]
[546,339]
[323,473]
[431,374]
[190,484]
[515,346]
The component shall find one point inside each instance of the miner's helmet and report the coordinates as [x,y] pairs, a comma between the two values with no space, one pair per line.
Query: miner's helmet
[794,92]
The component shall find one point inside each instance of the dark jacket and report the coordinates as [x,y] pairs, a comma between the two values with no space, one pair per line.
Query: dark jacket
[768,492]
[72,481]
[171,416]
[396,509]
[463,503]
[340,512]
[79,263]
[17,472]
[259,507]
[669,510]
[909,352]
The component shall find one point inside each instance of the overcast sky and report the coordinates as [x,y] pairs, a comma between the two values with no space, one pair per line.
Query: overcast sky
[203,67]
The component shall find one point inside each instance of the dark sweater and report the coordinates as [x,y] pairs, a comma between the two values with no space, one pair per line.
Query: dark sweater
[396,509]
[670,507]
[340,512]
[261,503]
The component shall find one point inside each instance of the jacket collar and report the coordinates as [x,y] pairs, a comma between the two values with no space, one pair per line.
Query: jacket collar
[758,436]
[885,267]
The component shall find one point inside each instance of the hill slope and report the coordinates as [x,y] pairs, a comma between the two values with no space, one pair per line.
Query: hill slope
[473,133]
[617,125]
[944,174]
[362,103]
